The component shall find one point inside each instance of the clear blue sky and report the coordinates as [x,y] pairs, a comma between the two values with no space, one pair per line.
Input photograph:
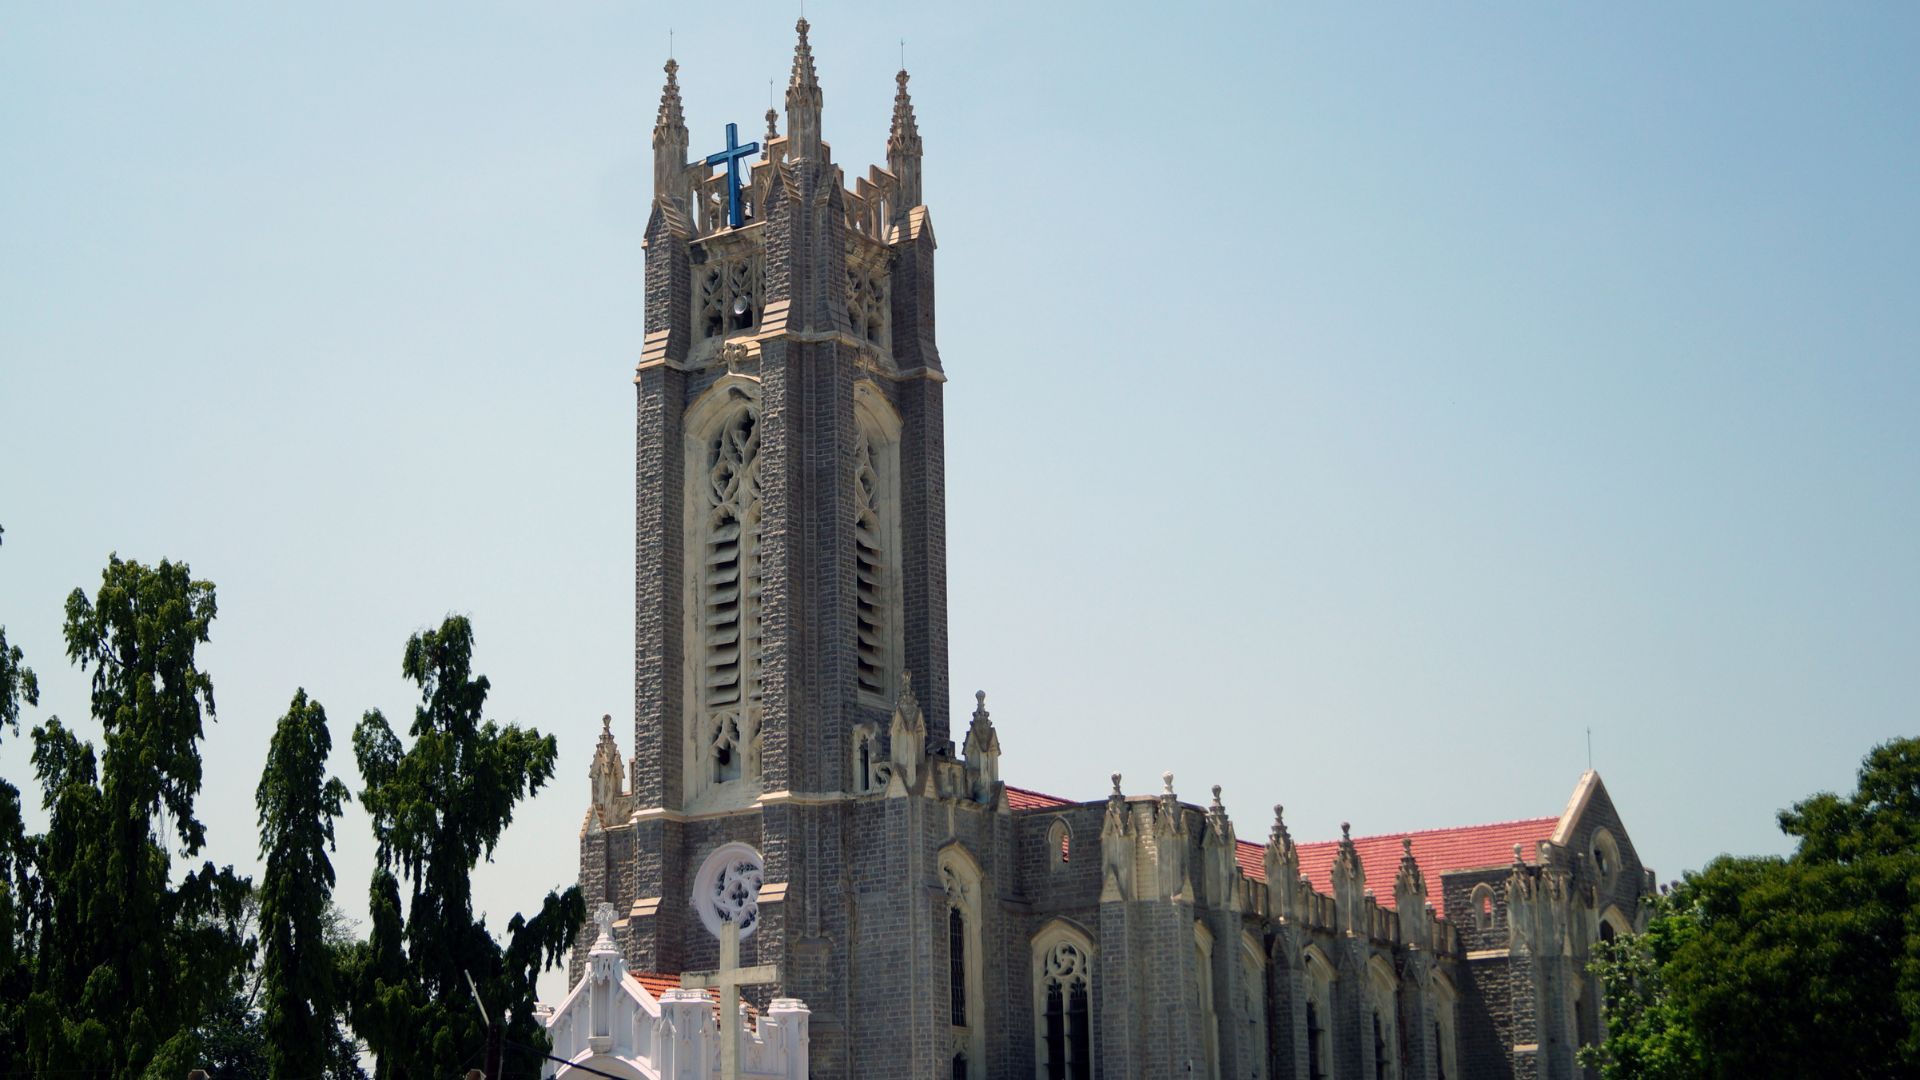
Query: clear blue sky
[1349,407]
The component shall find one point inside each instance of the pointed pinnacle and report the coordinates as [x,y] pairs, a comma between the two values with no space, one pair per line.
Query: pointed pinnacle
[905,133]
[671,116]
[804,78]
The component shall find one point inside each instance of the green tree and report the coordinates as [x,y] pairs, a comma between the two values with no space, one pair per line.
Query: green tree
[17,685]
[1802,966]
[127,963]
[298,803]
[437,808]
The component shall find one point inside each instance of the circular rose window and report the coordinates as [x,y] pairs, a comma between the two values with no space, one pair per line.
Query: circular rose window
[727,889]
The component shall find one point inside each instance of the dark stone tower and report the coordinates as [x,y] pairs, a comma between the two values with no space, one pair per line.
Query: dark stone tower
[790,571]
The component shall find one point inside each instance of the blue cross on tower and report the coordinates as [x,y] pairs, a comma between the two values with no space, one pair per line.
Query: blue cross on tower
[730,157]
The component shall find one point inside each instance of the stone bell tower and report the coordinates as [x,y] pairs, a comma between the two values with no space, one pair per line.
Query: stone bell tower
[790,571]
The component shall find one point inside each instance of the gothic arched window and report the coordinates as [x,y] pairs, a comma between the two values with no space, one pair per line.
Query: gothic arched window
[1382,986]
[960,877]
[722,626]
[1253,1005]
[1320,978]
[1481,901]
[1059,843]
[1063,1003]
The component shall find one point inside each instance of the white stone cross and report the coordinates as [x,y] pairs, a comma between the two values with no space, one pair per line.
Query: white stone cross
[728,980]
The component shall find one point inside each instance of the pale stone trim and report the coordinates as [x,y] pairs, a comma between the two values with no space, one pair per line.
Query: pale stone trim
[1576,805]
[1488,954]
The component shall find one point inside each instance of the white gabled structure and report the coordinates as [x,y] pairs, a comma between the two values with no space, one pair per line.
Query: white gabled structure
[610,1024]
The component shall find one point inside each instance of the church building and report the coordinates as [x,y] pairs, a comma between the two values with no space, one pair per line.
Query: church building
[795,772]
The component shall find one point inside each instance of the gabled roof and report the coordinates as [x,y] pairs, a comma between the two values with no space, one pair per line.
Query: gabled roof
[1438,851]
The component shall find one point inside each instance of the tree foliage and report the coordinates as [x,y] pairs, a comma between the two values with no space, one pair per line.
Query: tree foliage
[126,962]
[1803,966]
[298,803]
[17,685]
[437,808]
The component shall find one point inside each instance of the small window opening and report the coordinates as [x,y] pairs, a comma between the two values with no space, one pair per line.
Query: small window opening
[1379,1049]
[1059,843]
[957,964]
[1313,1043]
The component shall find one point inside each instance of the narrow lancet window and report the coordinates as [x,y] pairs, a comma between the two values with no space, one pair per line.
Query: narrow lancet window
[957,964]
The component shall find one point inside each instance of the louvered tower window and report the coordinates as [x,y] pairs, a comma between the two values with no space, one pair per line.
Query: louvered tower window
[727,609]
[871,585]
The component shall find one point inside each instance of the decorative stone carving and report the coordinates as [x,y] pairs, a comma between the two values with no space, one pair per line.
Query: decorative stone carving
[982,750]
[1410,898]
[1219,852]
[727,296]
[1349,886]
[907,741]
[1284,899]
[1116,848]
[727,889]
[607,774]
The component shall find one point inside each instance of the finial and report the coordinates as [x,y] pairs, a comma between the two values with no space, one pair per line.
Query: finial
[773,130]
[1116,783]
[1167,779]
[904,136]
[1517,860]
[671,115]
[1346,830]
[1406,846]
[606,724]
[1217,806]
[980,699]
[803,77]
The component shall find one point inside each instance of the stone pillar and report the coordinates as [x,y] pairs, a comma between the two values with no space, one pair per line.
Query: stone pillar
[687,1049]
[784,1030]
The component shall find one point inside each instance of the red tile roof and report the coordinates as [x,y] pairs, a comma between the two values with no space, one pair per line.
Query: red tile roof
[658,984]
[1438,851]
[1023,799]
